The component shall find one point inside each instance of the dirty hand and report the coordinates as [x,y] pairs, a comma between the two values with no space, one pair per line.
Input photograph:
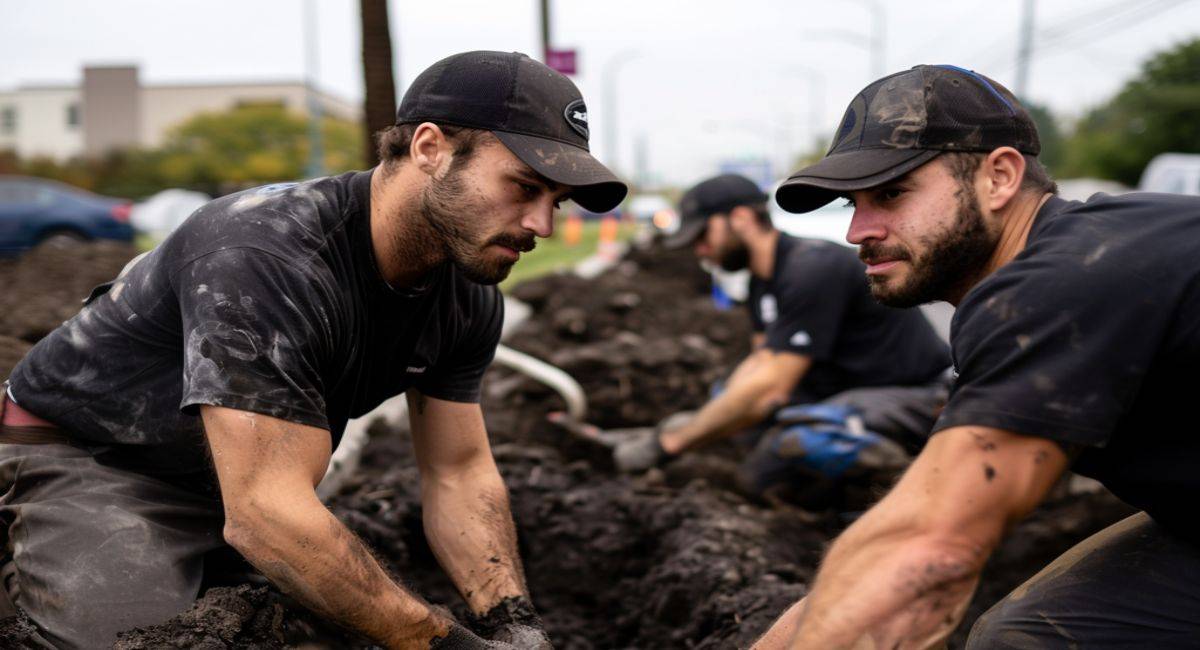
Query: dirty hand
[460,638]
[523,636]
[639,452]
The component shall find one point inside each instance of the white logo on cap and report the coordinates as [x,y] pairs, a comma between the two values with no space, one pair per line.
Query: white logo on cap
[800,338]
[576,115]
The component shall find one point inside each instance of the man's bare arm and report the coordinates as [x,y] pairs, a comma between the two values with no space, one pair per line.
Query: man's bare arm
[268,470]
[760,384]
[903,574]
[465,503]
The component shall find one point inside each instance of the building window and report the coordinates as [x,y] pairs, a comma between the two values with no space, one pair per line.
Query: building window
[8,119]
[73,114]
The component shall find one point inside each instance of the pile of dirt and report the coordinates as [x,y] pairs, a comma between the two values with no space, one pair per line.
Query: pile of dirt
[46,286]
[669,559]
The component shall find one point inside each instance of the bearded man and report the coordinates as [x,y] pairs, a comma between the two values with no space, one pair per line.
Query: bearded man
[192,405]
[1075,343]
[819,339]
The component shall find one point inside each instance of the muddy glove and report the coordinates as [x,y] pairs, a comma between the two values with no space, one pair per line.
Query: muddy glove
[460,638]
[523,636]
[513,621]
[640,451]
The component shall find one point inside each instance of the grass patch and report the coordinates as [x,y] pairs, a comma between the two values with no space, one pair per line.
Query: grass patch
[554,254]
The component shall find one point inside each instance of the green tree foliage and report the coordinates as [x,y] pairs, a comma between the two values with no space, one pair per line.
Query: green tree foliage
[1049,134]
[1156,112]
[215,153]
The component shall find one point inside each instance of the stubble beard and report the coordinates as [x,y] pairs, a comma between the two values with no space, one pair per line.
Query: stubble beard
[455,217]
[951,265]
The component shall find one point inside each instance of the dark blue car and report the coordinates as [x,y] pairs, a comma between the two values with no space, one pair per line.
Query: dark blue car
[34,210]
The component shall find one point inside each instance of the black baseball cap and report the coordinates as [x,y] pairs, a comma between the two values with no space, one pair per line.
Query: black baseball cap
[718,194]
[903,121]
[536,112]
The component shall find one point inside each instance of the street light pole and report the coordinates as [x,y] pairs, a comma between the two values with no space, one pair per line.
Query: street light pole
[1025,49]
[545,30]
[611,105]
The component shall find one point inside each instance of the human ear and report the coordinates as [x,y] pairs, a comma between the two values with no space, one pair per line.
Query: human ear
[429,148]
[1003,170]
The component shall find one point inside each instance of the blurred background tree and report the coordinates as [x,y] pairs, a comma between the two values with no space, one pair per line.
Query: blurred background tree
[215,153]
[1155,112]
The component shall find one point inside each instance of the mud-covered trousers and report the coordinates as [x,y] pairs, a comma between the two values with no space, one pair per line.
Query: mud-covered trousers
[92,550]
[1131,585]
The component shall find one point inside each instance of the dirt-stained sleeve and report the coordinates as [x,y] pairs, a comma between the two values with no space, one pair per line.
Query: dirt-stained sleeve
[257,334]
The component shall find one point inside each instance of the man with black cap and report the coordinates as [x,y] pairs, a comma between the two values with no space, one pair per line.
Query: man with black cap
[192,404]
[819,337]
[1076,345]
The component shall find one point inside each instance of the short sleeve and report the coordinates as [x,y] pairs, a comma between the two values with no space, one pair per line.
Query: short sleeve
[458,378]
[1052,347]
[255,332]
[811,300]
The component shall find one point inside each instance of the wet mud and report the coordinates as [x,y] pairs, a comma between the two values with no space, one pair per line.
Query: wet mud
[675,558]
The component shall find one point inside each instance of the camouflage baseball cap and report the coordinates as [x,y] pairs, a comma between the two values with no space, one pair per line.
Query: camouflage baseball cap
[904,120]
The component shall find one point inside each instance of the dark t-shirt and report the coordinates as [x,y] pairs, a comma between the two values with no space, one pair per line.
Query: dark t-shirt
[817,303]
[268,301]
[1091,337]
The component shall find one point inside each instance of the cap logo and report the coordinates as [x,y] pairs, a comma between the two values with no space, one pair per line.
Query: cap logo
[576,115]
[851,130]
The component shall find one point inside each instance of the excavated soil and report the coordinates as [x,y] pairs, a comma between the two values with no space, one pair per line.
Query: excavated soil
[674,558]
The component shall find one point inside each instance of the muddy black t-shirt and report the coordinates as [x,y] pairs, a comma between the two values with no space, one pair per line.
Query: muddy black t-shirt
[1091,337]
[817,303]
[268,301]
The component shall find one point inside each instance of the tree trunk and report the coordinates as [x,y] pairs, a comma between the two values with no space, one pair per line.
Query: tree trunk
[379,106]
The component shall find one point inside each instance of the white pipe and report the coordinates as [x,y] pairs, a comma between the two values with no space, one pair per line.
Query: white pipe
[561,382]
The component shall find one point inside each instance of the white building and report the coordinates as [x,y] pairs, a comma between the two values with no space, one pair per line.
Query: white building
[111,110]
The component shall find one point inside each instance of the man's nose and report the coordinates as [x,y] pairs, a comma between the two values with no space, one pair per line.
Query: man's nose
[540,220]
[866,224]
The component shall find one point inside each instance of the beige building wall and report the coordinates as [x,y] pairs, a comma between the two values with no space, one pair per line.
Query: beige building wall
[111,110]
[164,107]
[42,123]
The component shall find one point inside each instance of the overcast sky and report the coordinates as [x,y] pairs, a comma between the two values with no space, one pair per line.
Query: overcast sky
[696,81]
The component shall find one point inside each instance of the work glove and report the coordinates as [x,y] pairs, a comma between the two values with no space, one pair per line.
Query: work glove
[523,636]
[460,638]
[640,451]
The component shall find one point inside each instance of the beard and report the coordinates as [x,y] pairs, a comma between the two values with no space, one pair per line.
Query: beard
[734,256]
[457,218]
[952,261]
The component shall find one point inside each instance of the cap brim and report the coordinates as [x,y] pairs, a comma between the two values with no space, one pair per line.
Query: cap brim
[595,188]
[833,176]
[688,231]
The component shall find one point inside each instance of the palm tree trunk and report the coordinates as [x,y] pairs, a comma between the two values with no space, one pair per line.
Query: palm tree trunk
[379,106]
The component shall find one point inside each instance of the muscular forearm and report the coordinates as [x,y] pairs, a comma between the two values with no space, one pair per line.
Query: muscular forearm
[314,558]
[744,404]
[889,583]
[470,529]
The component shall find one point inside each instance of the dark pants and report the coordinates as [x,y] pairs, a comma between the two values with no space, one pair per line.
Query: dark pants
[92,550]
[901,415]
[1131,585]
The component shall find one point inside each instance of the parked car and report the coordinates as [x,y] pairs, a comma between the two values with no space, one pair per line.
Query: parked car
[36,210]
[1176,173]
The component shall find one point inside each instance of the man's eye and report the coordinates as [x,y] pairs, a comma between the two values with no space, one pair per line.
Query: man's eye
[529,190]
[890,194]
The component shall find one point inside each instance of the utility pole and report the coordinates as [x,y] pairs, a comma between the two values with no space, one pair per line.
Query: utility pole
[316,152]
[612,105]
[545,31]
[1024,49]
